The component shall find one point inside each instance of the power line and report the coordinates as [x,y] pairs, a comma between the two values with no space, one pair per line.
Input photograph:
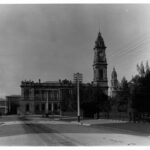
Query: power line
[131,49]
[130,43]
[135,51]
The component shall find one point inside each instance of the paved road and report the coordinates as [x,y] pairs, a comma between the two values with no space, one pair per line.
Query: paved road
[44,132]
[33,133]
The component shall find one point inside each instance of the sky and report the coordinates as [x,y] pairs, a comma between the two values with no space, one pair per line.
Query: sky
[52,42]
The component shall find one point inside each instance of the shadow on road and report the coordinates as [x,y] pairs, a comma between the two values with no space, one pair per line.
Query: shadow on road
[131,128]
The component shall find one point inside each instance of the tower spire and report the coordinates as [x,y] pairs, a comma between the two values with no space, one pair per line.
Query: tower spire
[114,83]
[99,43]
[99,28]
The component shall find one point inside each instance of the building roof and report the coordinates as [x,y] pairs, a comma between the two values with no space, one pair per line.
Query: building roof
[2,99]
[15,96]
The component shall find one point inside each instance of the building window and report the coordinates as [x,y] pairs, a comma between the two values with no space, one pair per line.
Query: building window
[43,107]
[37,108]
[37,93]
[101,74]
[55,95]
[50,95]
[44,95]
[27,107]
[26,92]
[55,107]
[49,106]
[94,75]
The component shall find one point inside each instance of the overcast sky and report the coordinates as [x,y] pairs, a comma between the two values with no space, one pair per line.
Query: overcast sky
[52,42]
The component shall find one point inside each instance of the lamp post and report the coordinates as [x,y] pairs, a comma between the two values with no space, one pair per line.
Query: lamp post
[78,79]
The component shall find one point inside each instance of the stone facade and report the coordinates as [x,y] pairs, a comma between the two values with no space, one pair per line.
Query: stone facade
[41,98]
[3,106]
[13,103]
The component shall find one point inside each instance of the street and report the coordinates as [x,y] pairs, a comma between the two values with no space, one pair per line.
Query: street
[49,132]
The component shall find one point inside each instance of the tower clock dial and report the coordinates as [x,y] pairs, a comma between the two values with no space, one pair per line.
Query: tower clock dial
[101,54]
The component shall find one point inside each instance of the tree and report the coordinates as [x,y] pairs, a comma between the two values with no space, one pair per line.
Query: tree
[86,100]
[68,102]
[141,90]
[94,100]
[123,95]
[147,67]
[141,69]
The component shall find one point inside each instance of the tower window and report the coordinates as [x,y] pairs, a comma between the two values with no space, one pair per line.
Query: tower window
[43,107]
[101,74]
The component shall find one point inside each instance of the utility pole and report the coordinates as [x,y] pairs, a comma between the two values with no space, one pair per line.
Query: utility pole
[78,100]
[78,79]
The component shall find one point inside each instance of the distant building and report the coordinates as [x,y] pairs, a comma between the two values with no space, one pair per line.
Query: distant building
[43,97]
[114,84]
[100,64]
[3,106]
[13,103]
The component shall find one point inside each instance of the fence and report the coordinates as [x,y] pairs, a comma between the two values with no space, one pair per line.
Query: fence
[115,115]
[70,114]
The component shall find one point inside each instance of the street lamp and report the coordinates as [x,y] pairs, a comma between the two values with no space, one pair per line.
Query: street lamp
[78,79]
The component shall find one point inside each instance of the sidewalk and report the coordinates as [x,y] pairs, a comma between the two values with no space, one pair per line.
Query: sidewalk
[8,118]
[97,122]
[102,121]
[137,128]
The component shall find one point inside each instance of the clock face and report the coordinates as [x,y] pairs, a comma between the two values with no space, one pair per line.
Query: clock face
[101,54]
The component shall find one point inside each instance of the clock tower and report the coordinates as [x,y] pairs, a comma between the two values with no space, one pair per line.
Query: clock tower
[100,64]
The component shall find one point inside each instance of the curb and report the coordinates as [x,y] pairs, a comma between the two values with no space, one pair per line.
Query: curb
[85,124]
[80,123]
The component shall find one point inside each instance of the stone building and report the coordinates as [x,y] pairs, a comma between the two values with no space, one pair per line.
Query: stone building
[13,103]
[3,106]
[43,97]
[100,64]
